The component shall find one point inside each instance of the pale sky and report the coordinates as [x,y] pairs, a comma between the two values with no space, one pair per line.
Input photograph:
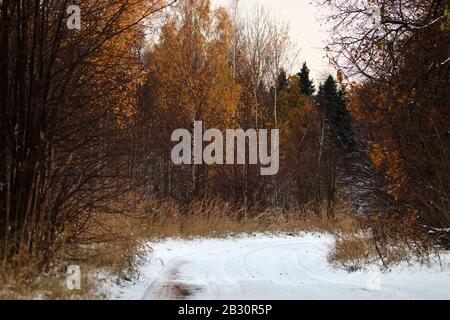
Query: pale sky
[306,32]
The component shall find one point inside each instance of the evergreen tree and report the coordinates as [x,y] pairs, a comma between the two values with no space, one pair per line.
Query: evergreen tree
[331,102]
[282,81]
[306,84]
[328,96]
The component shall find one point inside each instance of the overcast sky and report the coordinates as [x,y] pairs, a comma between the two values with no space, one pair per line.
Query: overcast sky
[309,36]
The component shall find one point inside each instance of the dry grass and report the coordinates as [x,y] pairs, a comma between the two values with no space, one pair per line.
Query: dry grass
[52,285]
[213,218]
[355,251]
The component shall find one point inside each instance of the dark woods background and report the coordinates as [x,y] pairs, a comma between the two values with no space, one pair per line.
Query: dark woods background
[86,116]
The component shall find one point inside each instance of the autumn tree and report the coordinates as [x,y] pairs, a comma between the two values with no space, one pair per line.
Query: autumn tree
[395,55]
[189,79]
[65,96]
[299,122]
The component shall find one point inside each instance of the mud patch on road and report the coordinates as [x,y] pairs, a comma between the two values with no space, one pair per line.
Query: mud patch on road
[180,291]
[173,284]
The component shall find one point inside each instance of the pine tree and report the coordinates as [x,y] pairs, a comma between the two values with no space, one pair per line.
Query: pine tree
[331,102]
[306,84]
[328,96]
[338,141]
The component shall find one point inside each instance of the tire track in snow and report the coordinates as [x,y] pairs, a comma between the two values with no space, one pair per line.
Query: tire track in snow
[265,267]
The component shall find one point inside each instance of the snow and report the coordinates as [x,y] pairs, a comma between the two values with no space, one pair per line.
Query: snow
[272,267]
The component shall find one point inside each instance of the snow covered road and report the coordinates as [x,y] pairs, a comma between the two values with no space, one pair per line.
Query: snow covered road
[273,267]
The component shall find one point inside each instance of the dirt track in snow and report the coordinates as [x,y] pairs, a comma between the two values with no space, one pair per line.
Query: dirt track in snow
[278,267]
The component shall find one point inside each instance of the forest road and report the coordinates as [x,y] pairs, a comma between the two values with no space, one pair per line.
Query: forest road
[268,267]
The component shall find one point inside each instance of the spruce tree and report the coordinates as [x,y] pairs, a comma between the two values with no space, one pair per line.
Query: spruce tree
[331,102]
[306,84]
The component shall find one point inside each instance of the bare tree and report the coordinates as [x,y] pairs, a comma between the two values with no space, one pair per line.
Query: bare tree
[281,56]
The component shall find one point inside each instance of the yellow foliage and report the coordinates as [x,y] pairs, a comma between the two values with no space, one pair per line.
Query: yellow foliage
[117,65]
[391,161]
[190,66]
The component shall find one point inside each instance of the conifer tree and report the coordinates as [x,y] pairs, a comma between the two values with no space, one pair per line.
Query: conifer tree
[306,84]
[282,81]
[331,102]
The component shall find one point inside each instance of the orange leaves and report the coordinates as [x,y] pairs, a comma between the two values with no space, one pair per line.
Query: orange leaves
[190,67]
[295,117]
[373,107]
[376,154]
[389,160]
[355,106]
[116,65]
[340,76]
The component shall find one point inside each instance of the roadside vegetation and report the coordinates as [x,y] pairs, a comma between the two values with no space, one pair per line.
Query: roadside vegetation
[115,244]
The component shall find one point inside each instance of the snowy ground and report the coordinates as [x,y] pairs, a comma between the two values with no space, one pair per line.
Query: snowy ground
[272,267]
